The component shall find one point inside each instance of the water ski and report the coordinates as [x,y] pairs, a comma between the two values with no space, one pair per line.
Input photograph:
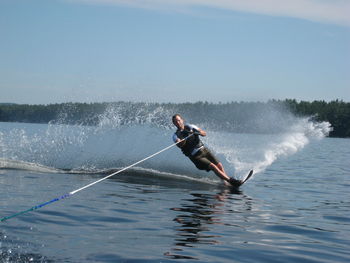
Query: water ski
[238,183]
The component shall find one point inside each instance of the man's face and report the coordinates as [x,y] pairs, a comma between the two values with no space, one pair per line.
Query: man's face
[179,122]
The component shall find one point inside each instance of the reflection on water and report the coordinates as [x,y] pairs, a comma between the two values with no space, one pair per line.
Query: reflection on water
[196,218]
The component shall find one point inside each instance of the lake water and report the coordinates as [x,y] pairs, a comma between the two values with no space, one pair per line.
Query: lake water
[296,208]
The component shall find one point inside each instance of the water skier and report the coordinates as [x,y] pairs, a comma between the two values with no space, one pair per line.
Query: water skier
[195,150]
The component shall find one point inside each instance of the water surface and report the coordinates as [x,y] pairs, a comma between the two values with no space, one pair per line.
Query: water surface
[296,209]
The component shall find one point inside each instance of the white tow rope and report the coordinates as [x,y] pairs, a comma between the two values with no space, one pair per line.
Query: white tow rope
[91,184]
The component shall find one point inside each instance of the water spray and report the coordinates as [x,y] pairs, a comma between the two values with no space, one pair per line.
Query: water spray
[91,184]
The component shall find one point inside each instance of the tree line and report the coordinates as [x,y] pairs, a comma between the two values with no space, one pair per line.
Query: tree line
[234,116]
[336,112]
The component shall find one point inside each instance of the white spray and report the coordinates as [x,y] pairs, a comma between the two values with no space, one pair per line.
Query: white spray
[259,151]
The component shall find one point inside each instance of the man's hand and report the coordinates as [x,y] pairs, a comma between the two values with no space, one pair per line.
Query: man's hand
[195,132]
[180,142]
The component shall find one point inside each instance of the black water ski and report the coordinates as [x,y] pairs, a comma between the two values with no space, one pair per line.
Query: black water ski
[237,183]
[249,175]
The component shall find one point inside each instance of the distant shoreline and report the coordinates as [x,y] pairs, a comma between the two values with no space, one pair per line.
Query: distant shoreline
[335,112]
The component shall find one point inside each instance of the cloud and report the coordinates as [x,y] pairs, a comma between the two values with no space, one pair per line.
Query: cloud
[324,11]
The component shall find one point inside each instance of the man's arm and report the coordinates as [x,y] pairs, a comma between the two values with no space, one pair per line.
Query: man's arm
[201,132]
[198,130]
[180,142]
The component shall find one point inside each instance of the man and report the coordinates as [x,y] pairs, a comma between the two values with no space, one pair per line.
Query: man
[187,137]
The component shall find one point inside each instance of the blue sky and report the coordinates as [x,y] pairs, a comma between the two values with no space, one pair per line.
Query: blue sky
[54,51]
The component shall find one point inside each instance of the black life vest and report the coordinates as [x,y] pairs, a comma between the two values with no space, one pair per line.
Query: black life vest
[191,143]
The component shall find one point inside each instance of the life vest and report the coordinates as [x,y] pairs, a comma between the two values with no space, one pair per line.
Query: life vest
[192,143]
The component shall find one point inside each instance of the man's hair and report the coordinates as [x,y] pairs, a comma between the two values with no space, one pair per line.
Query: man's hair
[176,115]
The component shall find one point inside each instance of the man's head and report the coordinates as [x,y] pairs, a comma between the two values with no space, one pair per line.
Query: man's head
[178,121]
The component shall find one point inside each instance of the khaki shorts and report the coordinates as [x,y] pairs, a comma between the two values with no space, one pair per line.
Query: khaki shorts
[203,158]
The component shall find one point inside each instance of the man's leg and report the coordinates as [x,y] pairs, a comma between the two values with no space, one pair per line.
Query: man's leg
[221,168]
[219,171]
[215,165]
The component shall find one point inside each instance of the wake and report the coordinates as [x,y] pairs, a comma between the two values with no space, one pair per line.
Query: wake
[142,174]
[261,151]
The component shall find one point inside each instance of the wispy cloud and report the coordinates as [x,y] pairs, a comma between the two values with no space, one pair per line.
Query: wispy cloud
[325,11]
